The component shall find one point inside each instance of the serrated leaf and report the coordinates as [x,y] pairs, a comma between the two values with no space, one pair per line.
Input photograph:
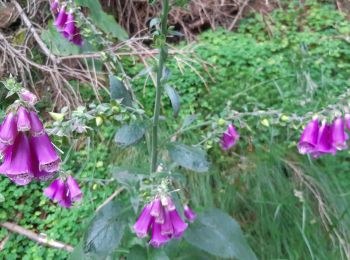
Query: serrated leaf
[217,233]
[102,20]
[191,158]
[119,91]
[129,134]
[106,230]
[174,98]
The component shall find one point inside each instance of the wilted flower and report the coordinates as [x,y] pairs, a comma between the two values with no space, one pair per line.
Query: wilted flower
[162,217]
[229,138]
[308,139]
[339,136]
[65,193]
[189,213]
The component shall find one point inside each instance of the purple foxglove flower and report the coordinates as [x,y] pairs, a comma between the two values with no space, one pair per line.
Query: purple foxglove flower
[171,206]
[77,39]
[56,190]
[144,222]
[23,121]
[229,138]
[189,213]
[324,141]
[43,175]
[69,28]
[74,190]
[48,159]
[17,163]
[8,129]
[37,127]
[308,139]
[156,208]
[66,202]
[61,18]
[160,218]
[167,226]
[54,5]
[347,121]
[178,224]
[339,136]
[28,97]
[157,238]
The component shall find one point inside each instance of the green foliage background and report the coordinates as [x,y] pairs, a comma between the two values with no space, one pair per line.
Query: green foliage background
[289,60]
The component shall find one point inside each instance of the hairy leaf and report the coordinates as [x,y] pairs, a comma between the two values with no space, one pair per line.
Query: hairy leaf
[119,91]
[189,157]
[174,98]
[218,234]
[129,134]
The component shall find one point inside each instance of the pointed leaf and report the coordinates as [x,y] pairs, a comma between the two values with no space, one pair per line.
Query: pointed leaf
[192,158]
[119,91]
[129,134]
[217,233]
[106,230]
[174,98]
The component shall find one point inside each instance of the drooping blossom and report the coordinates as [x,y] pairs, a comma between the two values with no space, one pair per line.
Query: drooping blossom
[189,213]
[162,219]
[339,137]
[28,97]
[324,141]
[64,192]
[27,151]
[309,137]
[229,138]
[66,25]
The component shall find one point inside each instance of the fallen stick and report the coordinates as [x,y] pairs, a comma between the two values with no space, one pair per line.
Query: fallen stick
[110,198]
[43,240]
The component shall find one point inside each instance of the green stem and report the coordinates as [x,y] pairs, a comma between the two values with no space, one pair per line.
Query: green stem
[159,87]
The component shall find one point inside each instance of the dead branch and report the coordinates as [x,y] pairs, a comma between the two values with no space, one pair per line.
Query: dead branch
[39,238]
[110,198]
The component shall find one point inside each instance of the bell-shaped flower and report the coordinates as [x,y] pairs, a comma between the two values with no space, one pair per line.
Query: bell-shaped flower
[167,227]
[17,164]
[178,224]
[339,137]
[47,157]
[37,127]
[143,223]
[54,5]
[8,129]
[61,18]
[229,138]
[69,28]
[77,39]
[23,121]
[157,238]
[65,193]
[189,213]
[3,148]
[28,97]
[324,141]
[308,139]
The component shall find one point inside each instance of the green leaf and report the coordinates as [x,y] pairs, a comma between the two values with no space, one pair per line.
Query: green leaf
[137,253]
[106,230]
[129,134]
[119,91]
[191,158]
[218,234]
[102,20]
[57,44]
[174,98]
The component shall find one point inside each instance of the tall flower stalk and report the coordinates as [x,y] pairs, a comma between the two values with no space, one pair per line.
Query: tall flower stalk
[159,84]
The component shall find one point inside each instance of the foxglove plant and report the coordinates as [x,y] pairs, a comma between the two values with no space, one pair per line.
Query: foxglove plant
[229,138]
[66,24]
[27,150]
[162,218]
[65,191]
[339,137]
[308,139]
